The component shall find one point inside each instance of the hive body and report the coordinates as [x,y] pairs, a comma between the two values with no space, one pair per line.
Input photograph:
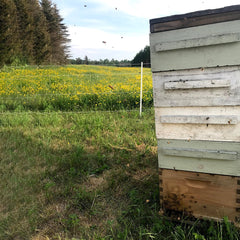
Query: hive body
[196,85]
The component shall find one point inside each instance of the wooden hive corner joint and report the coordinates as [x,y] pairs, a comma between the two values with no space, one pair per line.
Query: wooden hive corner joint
[161,211]
[237,217]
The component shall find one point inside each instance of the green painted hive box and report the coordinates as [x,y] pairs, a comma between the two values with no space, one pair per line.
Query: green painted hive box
[208,38]
[214,157]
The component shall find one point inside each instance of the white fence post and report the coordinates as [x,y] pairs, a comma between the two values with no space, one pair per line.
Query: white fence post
[141,89]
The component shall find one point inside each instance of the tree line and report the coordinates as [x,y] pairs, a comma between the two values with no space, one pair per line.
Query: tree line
[32,32]
[142,56]
[105,62]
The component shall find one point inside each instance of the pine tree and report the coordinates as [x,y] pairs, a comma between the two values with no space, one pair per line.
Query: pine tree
[58,33]
[26,25]
[32,32]
[142,56]
[41,39]
[61,47]
[35,39]
[9,43]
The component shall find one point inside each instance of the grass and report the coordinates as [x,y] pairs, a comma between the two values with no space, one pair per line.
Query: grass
[60,172]
[83,175]
[86,176]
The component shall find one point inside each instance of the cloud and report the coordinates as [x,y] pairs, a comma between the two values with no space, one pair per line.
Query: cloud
[84,39]
[157,8]
[96,54]
[110,20]
[66,11]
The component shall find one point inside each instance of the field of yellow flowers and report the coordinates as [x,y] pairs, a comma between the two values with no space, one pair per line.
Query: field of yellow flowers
[73,88]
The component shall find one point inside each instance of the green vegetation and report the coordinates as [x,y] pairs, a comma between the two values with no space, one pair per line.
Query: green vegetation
[73,88]
[83,175]
[32,32]
[142,56]
[86,176]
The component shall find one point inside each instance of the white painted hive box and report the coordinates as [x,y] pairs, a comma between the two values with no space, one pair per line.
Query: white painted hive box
[195,60]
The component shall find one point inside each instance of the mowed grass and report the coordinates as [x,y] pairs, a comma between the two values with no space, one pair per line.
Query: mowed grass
[86,176]
[83,175]
[73,88]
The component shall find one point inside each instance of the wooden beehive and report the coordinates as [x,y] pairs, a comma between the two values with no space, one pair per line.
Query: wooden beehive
[200,195]
[196,86]
[201,39]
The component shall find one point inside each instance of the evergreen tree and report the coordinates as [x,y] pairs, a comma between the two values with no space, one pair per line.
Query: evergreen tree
[86,60]
[32,32]
[142,56]
[58,33]
[26,25]
[9,42]
[62,49]
[41,40]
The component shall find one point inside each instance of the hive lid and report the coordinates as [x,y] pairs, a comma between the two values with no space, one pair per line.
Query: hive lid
[193,19]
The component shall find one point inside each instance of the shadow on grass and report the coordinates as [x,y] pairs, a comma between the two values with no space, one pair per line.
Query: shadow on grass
[50,190]
[68,191]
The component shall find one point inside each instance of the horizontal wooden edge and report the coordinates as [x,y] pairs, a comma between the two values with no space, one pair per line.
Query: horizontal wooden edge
[195,119]
[229,69]
[227,9]
[210,102]
[198,42]
[197,84]
[200,153]
[197,18]
[198,173]
[157,70]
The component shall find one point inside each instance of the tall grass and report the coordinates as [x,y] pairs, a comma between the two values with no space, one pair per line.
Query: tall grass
[83,175]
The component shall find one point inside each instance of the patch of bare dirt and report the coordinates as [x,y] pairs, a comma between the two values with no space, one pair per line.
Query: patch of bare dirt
[142,175]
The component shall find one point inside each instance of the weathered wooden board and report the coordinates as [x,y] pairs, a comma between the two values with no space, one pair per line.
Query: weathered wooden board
[198,42]
[195,19]
[201,156]
[197,87]
[197,84]
[203,46]
[198,123]
[200,195]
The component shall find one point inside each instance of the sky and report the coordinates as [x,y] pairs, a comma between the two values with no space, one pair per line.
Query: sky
[119,29]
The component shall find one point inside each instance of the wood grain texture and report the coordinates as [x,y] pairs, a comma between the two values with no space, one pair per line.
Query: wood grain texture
[201,156]
[197,84]
[201,153]
[192,47]
[197,87]
[200,195]
[195,19]
[198,42]
[204,119]
[198,123]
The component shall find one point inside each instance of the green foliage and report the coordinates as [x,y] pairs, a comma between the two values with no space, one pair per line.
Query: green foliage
[58,51]
[105,62]
[25,35]
[142,56]
[91,175]
[9,39]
